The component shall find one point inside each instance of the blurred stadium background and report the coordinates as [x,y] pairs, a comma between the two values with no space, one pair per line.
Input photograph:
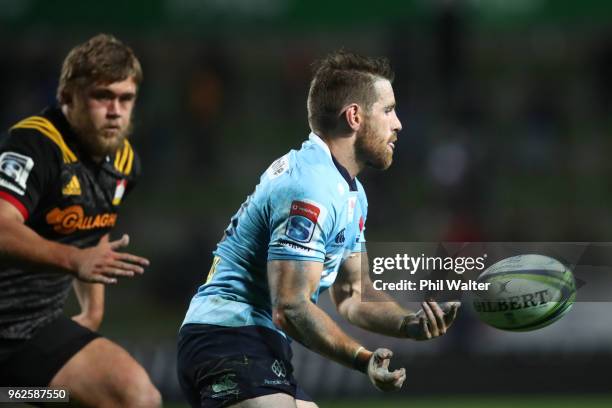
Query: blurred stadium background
[507,114]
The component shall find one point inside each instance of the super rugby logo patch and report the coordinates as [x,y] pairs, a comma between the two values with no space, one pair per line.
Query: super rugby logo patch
[16,168]
[302,221]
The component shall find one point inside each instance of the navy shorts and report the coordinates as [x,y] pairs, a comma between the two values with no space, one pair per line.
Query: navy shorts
[34,362]
[220,366]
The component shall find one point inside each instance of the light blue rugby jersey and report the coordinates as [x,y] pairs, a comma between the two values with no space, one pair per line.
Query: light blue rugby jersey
[305,207]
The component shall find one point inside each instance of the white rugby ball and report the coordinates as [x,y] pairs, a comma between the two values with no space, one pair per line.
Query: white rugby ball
[526,292]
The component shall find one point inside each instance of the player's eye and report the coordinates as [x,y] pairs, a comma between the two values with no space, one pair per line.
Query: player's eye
[127,97]
[102,95]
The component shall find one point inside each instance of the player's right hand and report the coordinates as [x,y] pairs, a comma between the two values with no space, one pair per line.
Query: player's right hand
[379,374]
[431,321]
[103,264]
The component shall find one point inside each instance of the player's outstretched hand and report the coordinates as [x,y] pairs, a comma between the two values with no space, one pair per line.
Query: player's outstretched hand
[103,264]
[432,320]
[379,374]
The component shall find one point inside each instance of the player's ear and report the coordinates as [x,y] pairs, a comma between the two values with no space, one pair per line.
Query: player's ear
[65,97]
[352,115]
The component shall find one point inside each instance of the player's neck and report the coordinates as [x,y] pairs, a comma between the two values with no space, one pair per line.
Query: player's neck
[343,150]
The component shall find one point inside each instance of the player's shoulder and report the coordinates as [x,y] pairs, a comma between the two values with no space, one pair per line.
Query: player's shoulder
[39,134]
[296,174]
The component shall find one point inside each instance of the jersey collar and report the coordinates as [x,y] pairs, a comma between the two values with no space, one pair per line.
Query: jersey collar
[341,169]
[57,117]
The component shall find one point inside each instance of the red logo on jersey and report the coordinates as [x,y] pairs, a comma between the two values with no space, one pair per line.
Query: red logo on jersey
[361,222]
[305,210]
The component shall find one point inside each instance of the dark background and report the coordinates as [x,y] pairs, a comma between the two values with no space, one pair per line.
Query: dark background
[506,107]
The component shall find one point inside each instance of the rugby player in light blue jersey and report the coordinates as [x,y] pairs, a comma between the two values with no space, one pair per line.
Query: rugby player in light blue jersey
[298,234]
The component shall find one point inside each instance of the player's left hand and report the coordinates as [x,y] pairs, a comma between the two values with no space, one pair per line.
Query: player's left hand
[431,321]
[379,374]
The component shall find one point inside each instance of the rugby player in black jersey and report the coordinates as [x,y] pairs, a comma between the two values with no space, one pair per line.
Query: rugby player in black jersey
[63,175]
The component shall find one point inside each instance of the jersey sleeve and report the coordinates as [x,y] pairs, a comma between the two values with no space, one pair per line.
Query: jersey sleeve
[299,224]
[28,163]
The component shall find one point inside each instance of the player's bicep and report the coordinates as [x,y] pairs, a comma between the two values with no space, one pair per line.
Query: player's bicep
[9,212]
[292,282]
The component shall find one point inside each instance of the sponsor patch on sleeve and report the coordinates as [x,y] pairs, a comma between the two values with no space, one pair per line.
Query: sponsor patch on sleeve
[16,168]
[302,221]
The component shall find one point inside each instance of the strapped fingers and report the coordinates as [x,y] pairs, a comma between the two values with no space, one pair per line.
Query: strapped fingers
[401,377]
[382,354]
[382,357]
[385,363]
[439,313]
[431,319]
[377,361]
[384,376]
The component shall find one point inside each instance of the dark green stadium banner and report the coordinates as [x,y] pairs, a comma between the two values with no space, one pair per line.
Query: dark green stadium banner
[207,15]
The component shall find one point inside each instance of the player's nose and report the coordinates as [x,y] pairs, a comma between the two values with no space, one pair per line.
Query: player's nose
[397,125]
[114,108]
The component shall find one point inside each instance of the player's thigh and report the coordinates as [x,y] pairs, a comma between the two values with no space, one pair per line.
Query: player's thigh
[279,400]
[223,366]
[103,371]
[305,404]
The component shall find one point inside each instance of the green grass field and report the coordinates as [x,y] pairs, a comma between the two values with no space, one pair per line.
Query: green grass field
[479,402]
[573,401]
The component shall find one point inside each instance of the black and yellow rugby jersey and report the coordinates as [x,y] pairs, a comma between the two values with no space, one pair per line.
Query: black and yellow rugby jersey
[64,196]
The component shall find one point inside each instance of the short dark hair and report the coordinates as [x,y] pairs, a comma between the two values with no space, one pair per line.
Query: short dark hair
[339,79]
[102,58]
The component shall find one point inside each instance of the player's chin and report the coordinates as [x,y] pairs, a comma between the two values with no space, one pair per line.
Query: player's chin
[382,163]
[109,142]
[389,161]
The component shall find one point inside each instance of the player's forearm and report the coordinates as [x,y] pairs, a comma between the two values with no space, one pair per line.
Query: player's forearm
[91,300]
[379,313]
[384,317]
[371,310]
[20,244]
[312,327]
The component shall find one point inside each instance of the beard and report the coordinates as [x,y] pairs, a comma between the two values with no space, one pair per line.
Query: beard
[99,143]
[372,149]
